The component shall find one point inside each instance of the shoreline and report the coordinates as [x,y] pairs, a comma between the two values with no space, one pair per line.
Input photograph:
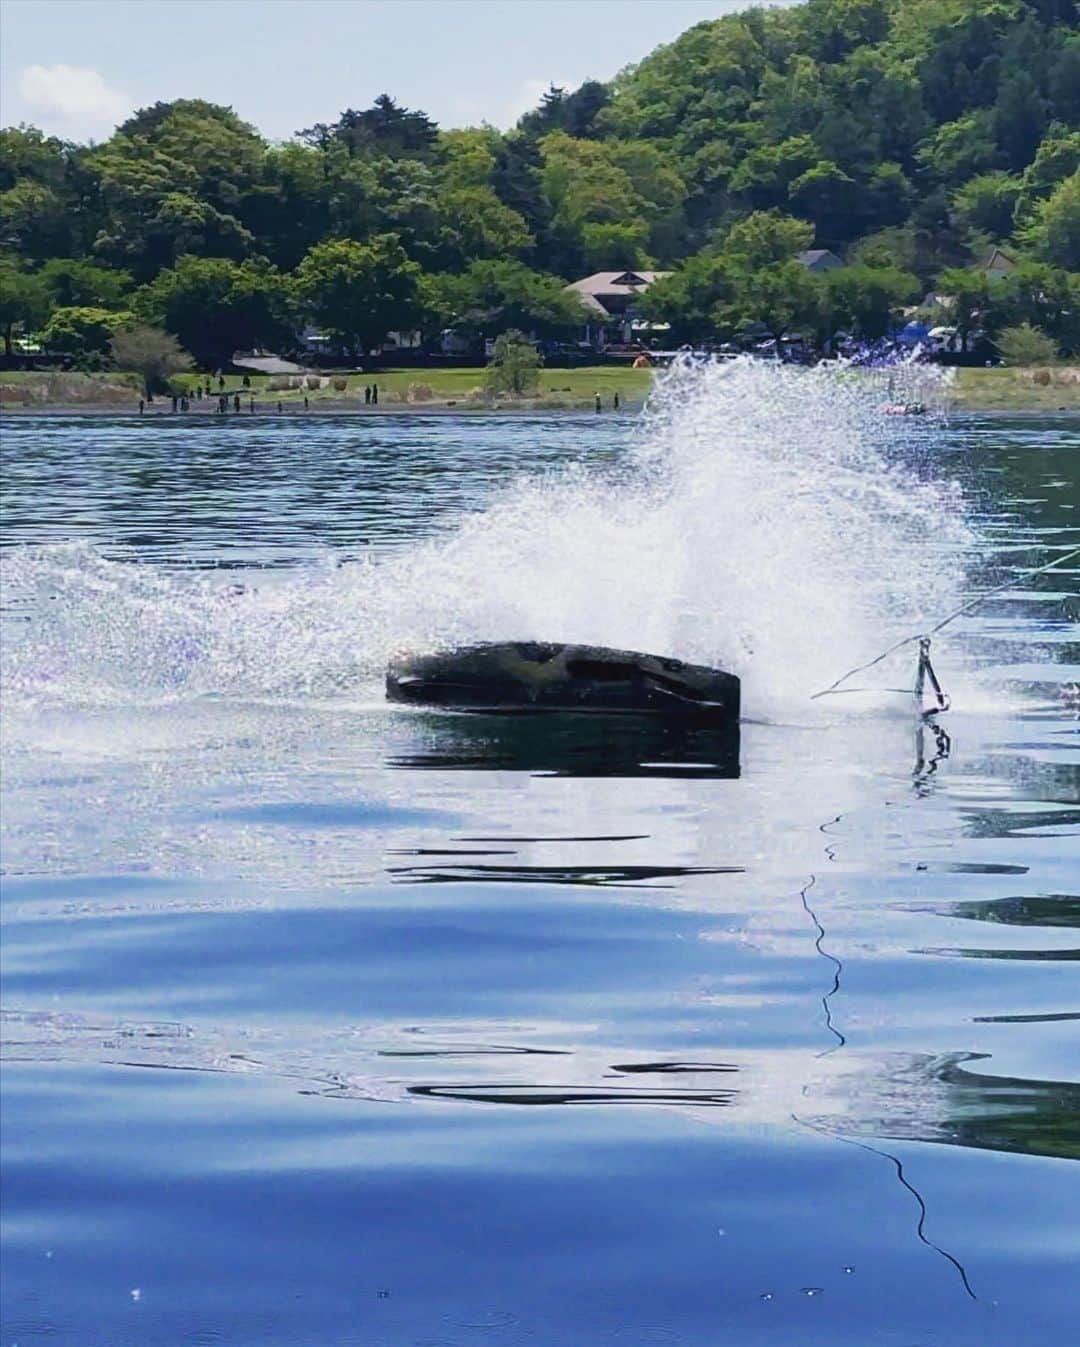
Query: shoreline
[210,416]
[444,392]
[292,411]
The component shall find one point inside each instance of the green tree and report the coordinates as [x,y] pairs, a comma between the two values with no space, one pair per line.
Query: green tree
[866,300]
[1026,345]
[883,201]
[971,296]
[474,223]
[894,247]
[34,217]
[611,245]
[607,183]
[33,220]
[1021,112]
[290,211]
[24,301]
[767,236]
[764,178]
[73,282]
[826,196]
[782,297]
[385,129]
[1056,158]
[215,307]
[697,299]
[958,150]
[574,113]
[496,296]
[81,331]
[151,352]
[360,292]
[897,129]
[28,155]
[514,366]
[1042,296]
[986,203]
[1054,231]
[1063,82]
[177,178]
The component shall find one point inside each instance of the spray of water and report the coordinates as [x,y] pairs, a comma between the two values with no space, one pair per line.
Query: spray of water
[769,519]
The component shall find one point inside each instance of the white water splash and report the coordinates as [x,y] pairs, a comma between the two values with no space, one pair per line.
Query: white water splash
[771,520]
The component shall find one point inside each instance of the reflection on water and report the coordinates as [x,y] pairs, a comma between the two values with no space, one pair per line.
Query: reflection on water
[900,1096]
[1052,909]
[599,876]
[575,745]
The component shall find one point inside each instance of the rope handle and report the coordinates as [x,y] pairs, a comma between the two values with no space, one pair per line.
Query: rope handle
[926,671]
[909,640]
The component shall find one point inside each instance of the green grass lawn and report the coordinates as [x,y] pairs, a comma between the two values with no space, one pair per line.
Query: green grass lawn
[443,385]
[1013,390]
[396,386]
[999,389]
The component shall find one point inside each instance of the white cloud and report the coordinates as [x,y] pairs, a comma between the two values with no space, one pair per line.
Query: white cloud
[72,100]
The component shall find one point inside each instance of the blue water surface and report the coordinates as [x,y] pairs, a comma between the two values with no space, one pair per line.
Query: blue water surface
[326,1023]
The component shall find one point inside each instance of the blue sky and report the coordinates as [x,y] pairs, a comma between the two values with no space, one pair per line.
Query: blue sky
[77,67]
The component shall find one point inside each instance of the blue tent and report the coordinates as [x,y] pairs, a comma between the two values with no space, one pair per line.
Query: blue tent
[913,333]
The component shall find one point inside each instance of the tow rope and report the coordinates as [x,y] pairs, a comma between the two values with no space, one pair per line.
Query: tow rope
[925,670]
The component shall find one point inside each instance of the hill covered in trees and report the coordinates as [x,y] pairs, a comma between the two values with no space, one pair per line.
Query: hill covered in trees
[907,136]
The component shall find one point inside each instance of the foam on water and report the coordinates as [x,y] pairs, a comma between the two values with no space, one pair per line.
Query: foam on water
[769,519]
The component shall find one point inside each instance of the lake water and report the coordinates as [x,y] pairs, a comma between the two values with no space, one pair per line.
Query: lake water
[331,1023]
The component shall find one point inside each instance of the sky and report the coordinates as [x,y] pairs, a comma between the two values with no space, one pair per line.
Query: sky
[76,68]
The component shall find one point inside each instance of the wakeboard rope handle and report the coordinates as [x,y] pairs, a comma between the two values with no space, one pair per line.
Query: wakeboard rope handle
[834,688]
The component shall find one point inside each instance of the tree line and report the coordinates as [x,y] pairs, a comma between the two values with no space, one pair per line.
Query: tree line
[907,136]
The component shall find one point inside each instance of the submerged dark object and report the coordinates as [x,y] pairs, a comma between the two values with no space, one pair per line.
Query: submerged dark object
[531,676]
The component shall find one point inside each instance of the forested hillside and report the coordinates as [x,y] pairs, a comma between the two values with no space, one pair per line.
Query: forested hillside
[907,136]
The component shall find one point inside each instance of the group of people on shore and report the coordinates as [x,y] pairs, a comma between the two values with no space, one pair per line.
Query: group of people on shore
[181,402]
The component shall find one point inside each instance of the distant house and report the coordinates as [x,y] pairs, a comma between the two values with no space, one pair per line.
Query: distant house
[611,296]
[819,260]
[996,265]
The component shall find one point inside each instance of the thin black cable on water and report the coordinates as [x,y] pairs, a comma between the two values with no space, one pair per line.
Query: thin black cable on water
[924,638]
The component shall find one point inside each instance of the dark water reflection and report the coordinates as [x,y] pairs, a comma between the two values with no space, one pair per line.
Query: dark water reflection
[569,745]
[316,1014]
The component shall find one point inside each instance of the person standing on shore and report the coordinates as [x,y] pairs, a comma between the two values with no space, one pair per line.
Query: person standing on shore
[142,406]
[374,395]
[367,395]
[615,400]
[236,402]
[598,403]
